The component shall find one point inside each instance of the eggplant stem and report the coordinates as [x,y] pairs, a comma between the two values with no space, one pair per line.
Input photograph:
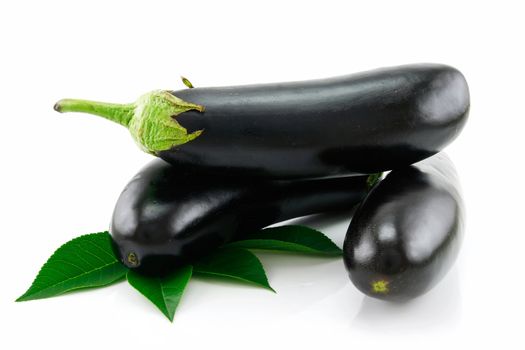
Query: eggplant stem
[186,82]
[118,113]
[150,119]
[372,180]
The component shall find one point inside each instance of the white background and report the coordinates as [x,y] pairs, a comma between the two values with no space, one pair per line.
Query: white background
[61,174]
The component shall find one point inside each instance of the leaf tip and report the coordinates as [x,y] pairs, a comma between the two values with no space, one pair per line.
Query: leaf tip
[23,297]
[170,314]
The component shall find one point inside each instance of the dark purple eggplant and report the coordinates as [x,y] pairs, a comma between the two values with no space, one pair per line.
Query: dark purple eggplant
[354,124]
[170,215]
[406,234]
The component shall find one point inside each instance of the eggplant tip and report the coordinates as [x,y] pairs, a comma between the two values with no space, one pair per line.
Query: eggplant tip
[57,107]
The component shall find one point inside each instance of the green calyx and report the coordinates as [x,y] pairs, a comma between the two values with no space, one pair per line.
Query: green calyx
[372,180]
[150,119]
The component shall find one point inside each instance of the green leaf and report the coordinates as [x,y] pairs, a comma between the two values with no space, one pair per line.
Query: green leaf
[290,238]
[84,262]
[165,292]
[236,263]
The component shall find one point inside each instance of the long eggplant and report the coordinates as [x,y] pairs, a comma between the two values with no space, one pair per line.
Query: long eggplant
[172,215]
[354,124]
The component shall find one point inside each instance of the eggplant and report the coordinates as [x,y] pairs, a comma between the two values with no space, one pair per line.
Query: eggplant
[354,124]
[168,216]
[407,232]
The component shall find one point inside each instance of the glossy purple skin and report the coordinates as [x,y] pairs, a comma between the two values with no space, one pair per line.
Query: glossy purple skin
[354,124]
[406,234]
[170,213]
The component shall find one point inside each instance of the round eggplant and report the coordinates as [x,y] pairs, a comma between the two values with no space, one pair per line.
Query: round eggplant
[406,234]
[172,215]
[354,124]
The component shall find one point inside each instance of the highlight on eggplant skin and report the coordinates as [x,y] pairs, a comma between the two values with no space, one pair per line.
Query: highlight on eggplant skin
[361,123]
[407,232]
